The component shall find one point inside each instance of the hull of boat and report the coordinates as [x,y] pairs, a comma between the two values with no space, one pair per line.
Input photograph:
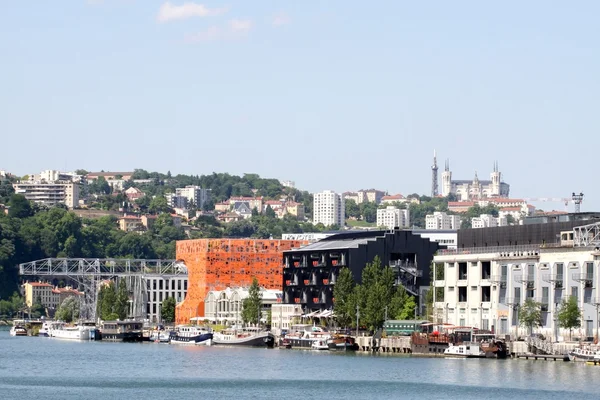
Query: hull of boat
[262,340]
[18,332]
[203,339]
[71,334]
[342,346]
[581,357]
[130,337]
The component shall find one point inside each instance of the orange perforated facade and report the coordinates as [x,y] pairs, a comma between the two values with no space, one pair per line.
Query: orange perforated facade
[215,264]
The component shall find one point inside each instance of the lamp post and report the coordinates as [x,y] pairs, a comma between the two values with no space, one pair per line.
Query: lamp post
[357,315]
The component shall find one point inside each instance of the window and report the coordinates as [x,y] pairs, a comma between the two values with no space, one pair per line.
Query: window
[462,294]
[574,293]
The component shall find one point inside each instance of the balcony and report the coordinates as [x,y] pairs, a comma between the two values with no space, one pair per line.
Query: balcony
[499,280]
[512,301]
[407,267]
[556,279]
[524,251]
[439,283]
[544,302]
[529,281]
[587,279]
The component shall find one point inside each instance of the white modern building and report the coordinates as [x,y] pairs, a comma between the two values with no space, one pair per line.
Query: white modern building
[283,316]
[488,221]
[392,217]
[225,306]
[328,208]
[50,194]
[159,289]
[185,197]
[441,220]
[485,287]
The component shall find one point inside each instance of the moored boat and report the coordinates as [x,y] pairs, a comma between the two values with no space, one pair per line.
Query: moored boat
[192,335]
[160,336]
[320,344]
[122,331]
[583,354]
[60,330]
[303,336]
[465,350]
[45,329]
[18,330]
[342,343]
[253,337]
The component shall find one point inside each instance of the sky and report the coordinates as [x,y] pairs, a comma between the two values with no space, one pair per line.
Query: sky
[340,95]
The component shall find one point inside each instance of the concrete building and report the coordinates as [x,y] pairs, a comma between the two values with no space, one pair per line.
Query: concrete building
[194,195]
[50,194]
[475,189]
[283,316]
[131,223]
[310,272]
[225,306]
[329,208]
[441,220]
[159,289]
[38,291]
[295,209]
[488,221]
[365,196]
[445,238]
[392,217]
[484,282]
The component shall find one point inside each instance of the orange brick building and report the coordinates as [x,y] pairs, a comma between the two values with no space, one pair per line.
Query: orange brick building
[215,264]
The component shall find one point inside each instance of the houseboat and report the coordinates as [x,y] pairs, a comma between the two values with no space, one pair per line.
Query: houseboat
[303,336]
[122,331]
[465,350]
[253,337]
[193,335]
[342,343]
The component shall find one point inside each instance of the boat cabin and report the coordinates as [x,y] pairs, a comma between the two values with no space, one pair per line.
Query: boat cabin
[116,327]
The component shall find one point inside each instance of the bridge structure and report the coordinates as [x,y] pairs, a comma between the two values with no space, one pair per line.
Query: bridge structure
[88,273]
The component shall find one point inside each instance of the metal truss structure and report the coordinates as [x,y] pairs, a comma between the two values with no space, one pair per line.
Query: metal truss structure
[89,272]
[587,235]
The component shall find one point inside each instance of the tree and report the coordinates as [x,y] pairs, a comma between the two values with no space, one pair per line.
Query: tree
[121,307]
[352,209]
[270,213]
[107,300]
[343,293]
[167,310]
[569,315]
[37,309]
[19,207]
[68,311]
[252,305]
[159,205]
[530,314]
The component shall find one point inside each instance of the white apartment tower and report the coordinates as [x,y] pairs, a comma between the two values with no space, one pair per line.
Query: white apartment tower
[488,221]
[328,208]
[392,217]
[441,220]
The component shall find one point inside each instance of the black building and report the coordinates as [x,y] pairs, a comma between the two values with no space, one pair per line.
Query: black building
[537,230]
[310,272]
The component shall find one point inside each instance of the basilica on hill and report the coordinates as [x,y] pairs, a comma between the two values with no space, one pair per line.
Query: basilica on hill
[475,189]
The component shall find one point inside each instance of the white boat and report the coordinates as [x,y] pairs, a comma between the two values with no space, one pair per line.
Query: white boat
[320,344]
[160,336]
[253,337]
[18,330]
[582,354]
[303,336]
[194,335]
[60,330]
[465,350]
[45,329]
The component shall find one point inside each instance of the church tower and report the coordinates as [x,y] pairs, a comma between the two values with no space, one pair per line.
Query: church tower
[496,177]
[446,180]
[434,176]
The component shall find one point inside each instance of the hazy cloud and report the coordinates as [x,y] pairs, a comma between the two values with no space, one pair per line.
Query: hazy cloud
[281,19]
[235,29]
[169,12]
[240,25]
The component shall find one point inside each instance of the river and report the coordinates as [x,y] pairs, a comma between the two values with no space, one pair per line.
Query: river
[51,369]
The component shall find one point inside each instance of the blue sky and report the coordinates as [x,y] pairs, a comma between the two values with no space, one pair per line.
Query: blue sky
[336,95]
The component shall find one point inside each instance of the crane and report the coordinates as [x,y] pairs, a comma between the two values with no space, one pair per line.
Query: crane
[575,198]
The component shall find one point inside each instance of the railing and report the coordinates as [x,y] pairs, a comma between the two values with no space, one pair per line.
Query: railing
[542,345]
[504,251]
[544,302]
[512,301]
[585,277]
[499,279]
[408,267]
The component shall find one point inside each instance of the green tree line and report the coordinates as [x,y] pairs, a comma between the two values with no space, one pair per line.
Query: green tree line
[375,298]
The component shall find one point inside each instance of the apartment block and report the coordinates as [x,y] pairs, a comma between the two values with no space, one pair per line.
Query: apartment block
[441,220]
[159,289]
[488,221]
[392,217]
[328,208]
[50,194]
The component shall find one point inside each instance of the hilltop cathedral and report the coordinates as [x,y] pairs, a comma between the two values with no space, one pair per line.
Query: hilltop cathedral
[466,190]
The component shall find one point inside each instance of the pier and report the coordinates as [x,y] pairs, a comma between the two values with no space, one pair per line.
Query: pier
[544,357]
[399,344]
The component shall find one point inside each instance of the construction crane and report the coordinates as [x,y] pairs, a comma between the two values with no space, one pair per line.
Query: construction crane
[575,198]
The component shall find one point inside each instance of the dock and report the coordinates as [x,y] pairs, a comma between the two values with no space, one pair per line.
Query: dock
[399,344]
[544,357]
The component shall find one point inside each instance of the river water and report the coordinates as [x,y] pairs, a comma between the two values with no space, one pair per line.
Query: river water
[51,369]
